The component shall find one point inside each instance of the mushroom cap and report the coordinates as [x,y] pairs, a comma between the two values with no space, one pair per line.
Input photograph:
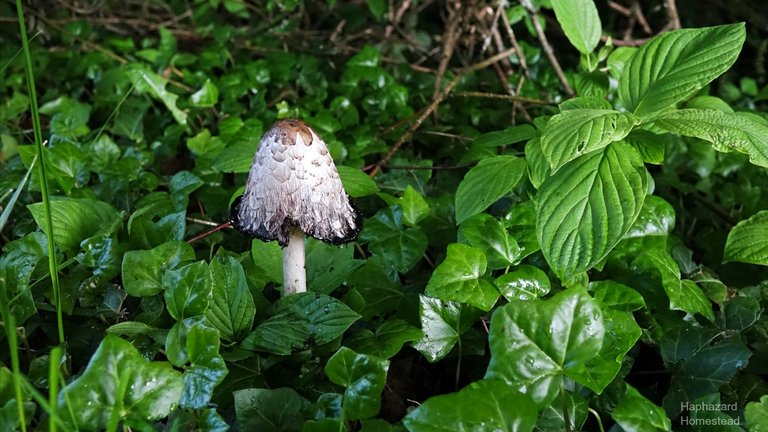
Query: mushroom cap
[294,183]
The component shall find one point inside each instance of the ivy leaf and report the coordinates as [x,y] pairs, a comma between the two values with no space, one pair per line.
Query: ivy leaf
[270,410]
[535,343]
[401,246]
[524,283]
[482,405]
[741,132]
[232,308]
[748,240]
[487,233]
[580,131]
[389,338]
[149,82]
[329,266]
[75,220]
[415,207]
[460,278]
[119,382]
[207,368]
[442,323]
[580,23]
[298,319]
[491,179]
[356,183]
[675,64]
[207,96]
[143,270]
[635,413]
[187,290]
[585,209]
[363,378]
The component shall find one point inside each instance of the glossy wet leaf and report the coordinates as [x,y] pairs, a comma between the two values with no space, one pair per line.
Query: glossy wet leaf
[489,234]
[300,321]
[442,323]
[675,64]
[524,283]
[534,344]
[575,132]
[269,258]
[273,410]
[585,209]
[415,207]
[748,240]
[635,413]
[187,290]
[143,270]
[387,341]
[386,236]
[570,408]
[232,308]
[482,405]
[118,381]
[580,23]
[75,220]
[460,278]
[491,179]
[363,378]
[207,368]
[657,217]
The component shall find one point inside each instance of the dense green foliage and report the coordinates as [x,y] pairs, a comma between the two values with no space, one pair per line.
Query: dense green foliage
[545,262]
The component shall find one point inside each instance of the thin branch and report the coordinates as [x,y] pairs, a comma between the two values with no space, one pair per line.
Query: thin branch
[515,44]
[501,96]
[674,18]
[550,53]
[209,232]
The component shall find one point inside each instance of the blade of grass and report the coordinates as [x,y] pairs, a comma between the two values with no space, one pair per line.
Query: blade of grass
[13,345]
[38,133]
[53,386]
[12,202]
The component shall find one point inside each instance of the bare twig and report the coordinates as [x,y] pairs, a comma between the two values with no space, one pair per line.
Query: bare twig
[674,18]
[502,96]
[547,47]
[209,232]
[515,44]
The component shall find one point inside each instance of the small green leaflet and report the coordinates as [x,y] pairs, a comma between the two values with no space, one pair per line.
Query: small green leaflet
[485,183]
[580,23]
[460,278]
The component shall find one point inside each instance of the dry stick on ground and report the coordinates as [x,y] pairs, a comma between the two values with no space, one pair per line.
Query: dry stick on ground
[433,106]
[547,47]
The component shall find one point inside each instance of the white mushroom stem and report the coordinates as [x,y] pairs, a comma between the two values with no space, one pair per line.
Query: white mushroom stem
[294,271]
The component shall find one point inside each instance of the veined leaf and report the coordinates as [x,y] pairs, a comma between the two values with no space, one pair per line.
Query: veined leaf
[726,131]
[587,207]
[674,65]
[578,131]
[580,23]
[356,183]
[363,377]
[154,84]
[460,278]
[484,184]
[75,220]
[442,323]
[748,240]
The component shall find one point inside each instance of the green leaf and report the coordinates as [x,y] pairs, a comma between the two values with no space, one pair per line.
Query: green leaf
[143,270]
[75,220]
[232,308]
[187,290]
[415,207]
[485,183]
[580,23]
[207,96]
[207,368]
[403,247]
[357,183]
[675,65]
[635,413]
[270,410]
[389,338]
[656,218]
[329,266]
[268,256]
[508,136]
[651,146]
[460,278]
[485,405]
[726,132]
[575,132]
[299,321]
[538,165]
[585,209]
[377,7]
[488,234]
[442,323]
[524,283]
[181,185]
[149,82]
[535,343]
[748,240]
[614,295]
[119,382]
[756,414]
[363,378]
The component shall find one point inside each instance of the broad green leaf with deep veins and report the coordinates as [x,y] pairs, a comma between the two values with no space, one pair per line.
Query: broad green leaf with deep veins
[741,132]
[75,220]
[460,278]
[748,240]
[535,343]
[143,269]
[301,320]
[363,378]
[579,131]
[491,179]
[580,23]
[485,405]
[118,381]
[584,209]
[271,410]
[232,308]
[675,65]
[442,323]
[635,413]
[187,290]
